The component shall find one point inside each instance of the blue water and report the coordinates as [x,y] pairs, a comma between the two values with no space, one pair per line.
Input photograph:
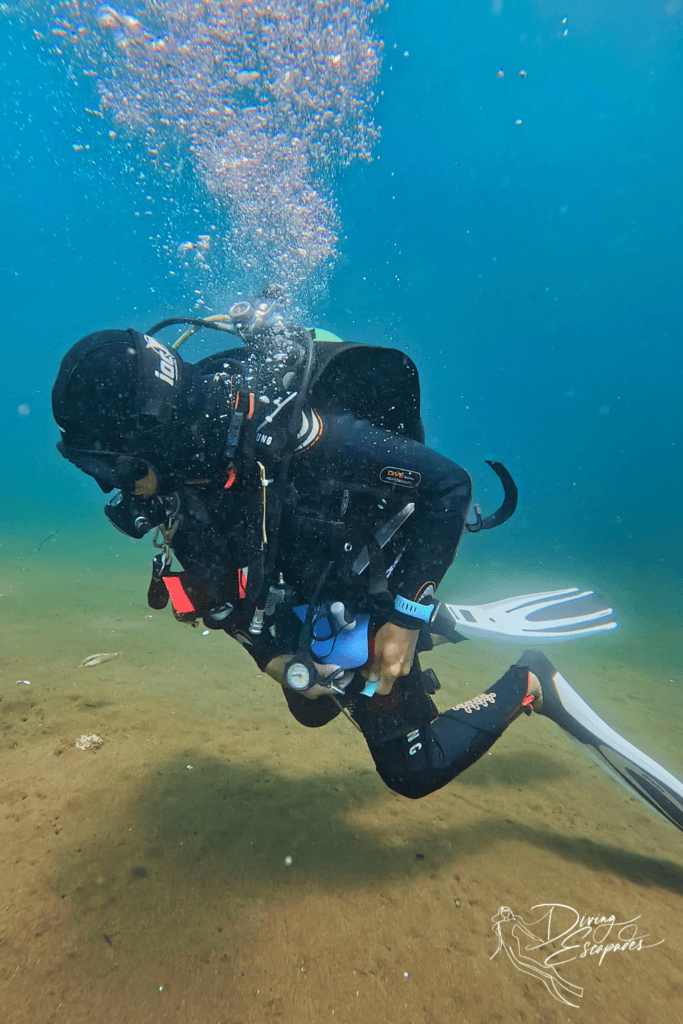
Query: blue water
[532,270]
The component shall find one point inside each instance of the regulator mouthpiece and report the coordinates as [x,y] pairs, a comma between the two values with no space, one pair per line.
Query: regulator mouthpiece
[251,318]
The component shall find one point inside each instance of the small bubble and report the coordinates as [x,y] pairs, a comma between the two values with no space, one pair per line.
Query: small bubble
[288,861]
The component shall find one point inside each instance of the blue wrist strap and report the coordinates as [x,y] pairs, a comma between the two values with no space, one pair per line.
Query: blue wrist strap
[423,612]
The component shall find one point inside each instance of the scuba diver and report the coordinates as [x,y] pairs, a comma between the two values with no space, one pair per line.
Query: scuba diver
[290,479]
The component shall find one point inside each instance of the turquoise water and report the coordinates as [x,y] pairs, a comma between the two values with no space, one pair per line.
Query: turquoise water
[529,269]
[517,234]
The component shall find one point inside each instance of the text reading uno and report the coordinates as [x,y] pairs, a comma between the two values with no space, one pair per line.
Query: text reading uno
[401,477]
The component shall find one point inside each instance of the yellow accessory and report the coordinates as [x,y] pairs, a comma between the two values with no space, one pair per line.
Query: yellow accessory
[147,485]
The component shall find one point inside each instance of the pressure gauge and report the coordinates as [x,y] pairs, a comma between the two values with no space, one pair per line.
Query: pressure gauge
[298,676]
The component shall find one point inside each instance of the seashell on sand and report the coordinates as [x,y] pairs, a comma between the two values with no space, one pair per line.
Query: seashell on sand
[92,742]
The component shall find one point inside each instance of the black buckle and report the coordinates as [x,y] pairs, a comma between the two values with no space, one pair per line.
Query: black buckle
[234,432]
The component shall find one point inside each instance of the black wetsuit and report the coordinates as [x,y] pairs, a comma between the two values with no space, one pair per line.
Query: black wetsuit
[344,482]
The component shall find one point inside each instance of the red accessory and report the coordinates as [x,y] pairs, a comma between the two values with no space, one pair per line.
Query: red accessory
[181,601]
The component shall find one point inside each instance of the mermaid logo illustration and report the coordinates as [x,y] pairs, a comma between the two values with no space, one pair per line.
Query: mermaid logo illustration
[566,935]
[518,938]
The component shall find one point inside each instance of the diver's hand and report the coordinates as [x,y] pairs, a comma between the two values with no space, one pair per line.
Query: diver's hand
[394,655]
[276,670]
[319,689]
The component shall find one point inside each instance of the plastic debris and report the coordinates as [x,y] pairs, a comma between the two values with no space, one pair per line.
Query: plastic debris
[98,659]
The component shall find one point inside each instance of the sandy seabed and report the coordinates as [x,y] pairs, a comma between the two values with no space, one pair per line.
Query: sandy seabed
[150,880]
